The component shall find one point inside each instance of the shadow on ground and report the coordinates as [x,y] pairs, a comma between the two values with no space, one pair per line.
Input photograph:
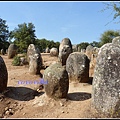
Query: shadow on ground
[90,80]
[22,93]
[78,96]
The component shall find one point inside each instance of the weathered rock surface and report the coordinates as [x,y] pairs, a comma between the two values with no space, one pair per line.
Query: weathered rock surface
[65,49]
[106,81]
[47,50]
[116,40]
[89,51]
[57,81]
[3,75]
[35,60]
[54,51]
[77,66]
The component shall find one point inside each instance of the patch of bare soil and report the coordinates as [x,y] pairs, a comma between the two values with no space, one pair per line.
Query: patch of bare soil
[24,101]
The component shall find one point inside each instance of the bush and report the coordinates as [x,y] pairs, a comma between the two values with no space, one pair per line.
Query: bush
[16,61]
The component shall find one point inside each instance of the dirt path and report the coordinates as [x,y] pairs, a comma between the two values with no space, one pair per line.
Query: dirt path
[22,101]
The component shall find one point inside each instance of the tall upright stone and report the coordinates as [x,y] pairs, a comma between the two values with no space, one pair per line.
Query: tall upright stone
[77,66]
[65,49]
[106,81]
[31,50]
[3,75]
[34,59]
[93,61]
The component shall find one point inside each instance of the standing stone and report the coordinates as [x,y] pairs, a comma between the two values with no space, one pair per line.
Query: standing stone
[12,51]
[2,51]
[77,66]
[58,81]
[116,40]
[83,51]
[3,75]
[93,61]
[47,50]
[65,49]
[54,51]
[89,51]
[32,49]
[34,59]
[35,64]
[106,81]
[95,50]
[79,49]
[74,48]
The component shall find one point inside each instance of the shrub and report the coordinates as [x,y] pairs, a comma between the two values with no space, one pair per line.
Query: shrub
[16,61]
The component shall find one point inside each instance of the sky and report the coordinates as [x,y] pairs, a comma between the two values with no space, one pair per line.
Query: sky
[80,21]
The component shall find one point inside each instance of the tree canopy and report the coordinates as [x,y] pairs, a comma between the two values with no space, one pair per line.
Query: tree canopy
[95,44]
[4,34]
[42,44]
[107,36]
[23,36]
[83,45]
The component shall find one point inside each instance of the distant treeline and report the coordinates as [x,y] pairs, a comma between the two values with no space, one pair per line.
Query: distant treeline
[24,34]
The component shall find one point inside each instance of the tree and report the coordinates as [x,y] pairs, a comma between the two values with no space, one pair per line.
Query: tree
[115,7]
[107,36]
[4,34]
[23,36]
[42,44]
[95,44]
[83,45]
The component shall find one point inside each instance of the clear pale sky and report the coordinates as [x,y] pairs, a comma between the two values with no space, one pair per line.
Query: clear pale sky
[80,21]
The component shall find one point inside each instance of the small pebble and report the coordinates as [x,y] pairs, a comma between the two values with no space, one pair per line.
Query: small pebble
[6,108]
[61,104]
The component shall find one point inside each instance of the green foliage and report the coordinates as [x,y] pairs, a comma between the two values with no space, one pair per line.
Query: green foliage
[42,44]
[95,44]
[83,45]
[107,36]
[23,36]
[4,34]
[16,61]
